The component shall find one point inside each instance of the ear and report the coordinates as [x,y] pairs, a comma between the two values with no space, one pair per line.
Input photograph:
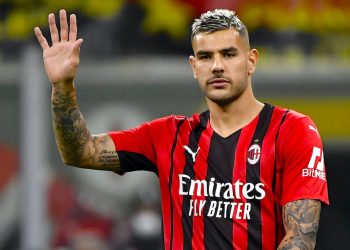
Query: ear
[253,56]
[192,61]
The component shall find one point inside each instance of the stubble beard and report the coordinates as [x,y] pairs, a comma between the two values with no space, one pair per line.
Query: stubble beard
[224,99]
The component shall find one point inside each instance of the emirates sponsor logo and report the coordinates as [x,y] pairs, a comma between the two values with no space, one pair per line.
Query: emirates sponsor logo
[254,153]
[227,202]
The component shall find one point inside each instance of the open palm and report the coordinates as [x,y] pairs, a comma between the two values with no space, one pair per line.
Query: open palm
[61,60]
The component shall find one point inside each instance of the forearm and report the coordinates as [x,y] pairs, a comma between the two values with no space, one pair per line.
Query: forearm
[75,143]
[301,220]
[297,242]
[71,132]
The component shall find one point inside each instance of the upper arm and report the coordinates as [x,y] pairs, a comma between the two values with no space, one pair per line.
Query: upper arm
[300,220]
[100,154]
[302,162]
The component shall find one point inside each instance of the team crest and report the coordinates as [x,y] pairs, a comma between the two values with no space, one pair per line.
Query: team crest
[254,153]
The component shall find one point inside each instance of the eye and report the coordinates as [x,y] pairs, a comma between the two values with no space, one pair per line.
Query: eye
[204,57]
[228,55]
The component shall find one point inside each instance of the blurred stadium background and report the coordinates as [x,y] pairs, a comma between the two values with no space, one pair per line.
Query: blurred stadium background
[134,68]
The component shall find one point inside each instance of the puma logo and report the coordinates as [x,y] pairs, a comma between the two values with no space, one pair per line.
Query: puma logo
[193,154]
[314,129]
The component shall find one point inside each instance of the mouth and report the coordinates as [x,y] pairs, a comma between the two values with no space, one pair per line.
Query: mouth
[218,82]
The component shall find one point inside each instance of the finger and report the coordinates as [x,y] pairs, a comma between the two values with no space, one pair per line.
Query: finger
[53,29]
[77,45]
[76,51]
[73,28]
[64,25]
[43,43]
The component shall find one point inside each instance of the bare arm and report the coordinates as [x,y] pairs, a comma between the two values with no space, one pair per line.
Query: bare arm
[75,142]
[301,220]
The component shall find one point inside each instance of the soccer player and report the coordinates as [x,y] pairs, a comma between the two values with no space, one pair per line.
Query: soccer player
[242,175]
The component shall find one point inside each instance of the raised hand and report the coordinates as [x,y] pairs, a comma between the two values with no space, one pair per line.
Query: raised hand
[61,60]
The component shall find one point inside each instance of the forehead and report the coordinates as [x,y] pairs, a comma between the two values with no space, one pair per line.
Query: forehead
[218,40]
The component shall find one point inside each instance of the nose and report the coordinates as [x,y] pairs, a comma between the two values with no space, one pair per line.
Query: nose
[217,67]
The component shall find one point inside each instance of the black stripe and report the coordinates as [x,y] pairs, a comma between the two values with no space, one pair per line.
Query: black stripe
[171,182]
[130,161]
[276,205]
[253,176]
[187,221]
[277,134]
[221,158]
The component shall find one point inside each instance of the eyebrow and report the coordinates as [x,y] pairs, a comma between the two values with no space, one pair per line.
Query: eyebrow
[224,50]
[230,49]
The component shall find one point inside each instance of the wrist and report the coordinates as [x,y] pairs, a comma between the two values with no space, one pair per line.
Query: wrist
[65,85]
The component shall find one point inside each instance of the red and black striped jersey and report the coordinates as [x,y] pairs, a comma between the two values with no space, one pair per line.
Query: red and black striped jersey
[227,192]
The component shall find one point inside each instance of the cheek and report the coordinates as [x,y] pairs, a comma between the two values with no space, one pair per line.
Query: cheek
[246,65]
[240,67]
[201,82]
[242,62]
[201,78]
[200,72]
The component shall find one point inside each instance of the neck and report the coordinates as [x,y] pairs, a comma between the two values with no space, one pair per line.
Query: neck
[227,119]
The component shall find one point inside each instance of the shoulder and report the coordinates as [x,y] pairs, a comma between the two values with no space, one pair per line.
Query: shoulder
[291,114]
[167,124]
[293,120]
[170,120]
[177,120]
[297,131]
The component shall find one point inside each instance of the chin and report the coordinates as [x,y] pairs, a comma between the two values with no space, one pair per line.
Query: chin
[223,96]
[222,100]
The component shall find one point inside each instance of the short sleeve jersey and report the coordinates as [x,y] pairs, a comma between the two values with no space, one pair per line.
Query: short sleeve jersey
[227,192]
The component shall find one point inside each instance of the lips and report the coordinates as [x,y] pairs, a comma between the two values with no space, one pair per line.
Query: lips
[218,82]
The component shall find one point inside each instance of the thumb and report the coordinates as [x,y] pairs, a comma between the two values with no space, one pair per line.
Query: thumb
[77,45]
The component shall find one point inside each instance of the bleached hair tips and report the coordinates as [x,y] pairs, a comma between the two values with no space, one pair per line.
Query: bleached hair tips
[216,20]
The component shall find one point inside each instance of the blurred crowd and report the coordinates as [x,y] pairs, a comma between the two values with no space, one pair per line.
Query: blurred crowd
[311,27]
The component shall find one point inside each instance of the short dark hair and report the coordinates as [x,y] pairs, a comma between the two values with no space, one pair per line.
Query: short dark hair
[216,20]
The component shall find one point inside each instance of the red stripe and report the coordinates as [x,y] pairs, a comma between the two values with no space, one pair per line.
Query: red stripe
[166,143]
[179,162]
[201,166]
[165,196]
[165,210]
[278,187]
[240,237]
[266,177]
